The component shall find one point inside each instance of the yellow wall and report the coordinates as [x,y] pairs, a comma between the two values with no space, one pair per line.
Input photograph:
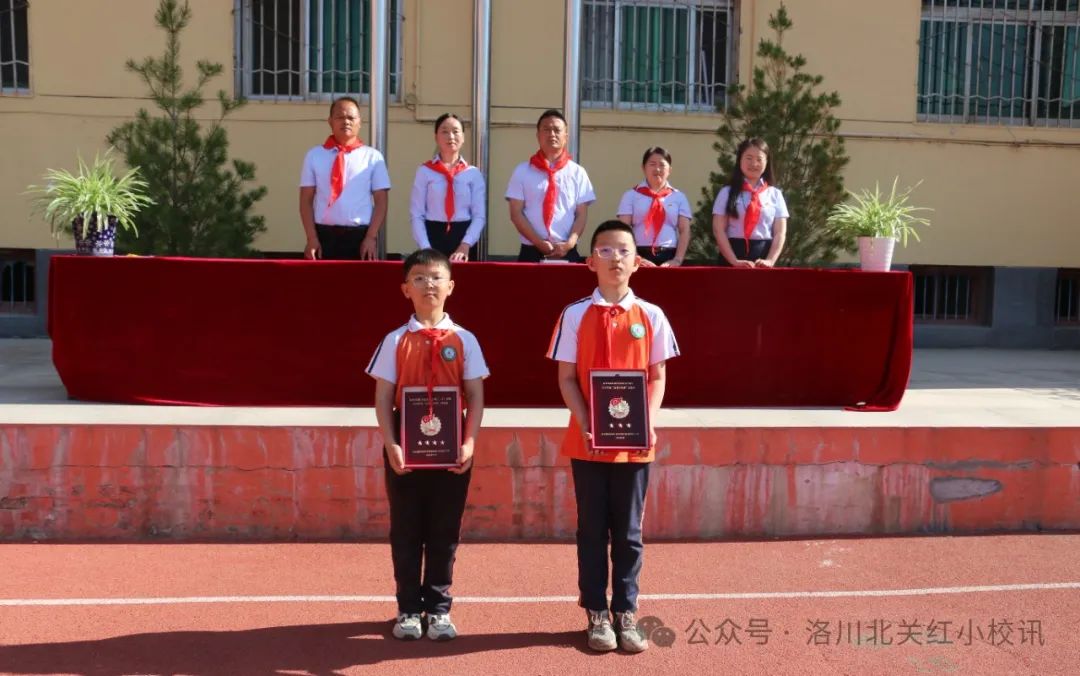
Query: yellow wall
[1001,195]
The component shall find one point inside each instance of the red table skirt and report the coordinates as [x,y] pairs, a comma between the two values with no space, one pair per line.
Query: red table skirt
[299,333]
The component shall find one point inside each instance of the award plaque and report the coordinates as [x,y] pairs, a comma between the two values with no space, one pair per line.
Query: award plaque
[619,410]
[430,439]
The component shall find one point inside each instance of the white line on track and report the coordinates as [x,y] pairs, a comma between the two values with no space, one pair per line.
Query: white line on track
[177,600]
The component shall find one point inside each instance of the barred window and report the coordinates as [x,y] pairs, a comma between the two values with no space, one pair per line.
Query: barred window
[14,48]
[309,49]
[1000,62]
[1067,297]
[658,54]
[947,294]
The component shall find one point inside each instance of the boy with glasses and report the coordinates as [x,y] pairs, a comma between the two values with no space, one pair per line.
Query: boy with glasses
[610,330]
[426,505]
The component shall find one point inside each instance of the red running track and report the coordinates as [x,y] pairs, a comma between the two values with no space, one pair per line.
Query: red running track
[866,627]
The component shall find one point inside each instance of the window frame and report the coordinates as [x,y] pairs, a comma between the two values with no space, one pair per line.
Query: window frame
[616,83]
[973,19]
[11,66]
[243,54]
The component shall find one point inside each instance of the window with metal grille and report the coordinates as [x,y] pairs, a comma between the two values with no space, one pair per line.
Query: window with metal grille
[674,54]
[952,295]
[1067,298]
[1000,62]
[17,293]
[14,48]
[310,49]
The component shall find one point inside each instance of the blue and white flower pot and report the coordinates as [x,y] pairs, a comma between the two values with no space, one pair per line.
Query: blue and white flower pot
[98,242]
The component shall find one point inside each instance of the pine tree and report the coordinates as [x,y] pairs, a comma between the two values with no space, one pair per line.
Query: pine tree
[202,204]
[783,107]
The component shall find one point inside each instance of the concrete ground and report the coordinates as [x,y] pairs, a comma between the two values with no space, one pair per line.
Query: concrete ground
[948,388]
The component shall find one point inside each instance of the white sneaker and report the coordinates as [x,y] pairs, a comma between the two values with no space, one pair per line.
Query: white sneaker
[440,628]
[601,635]
[407,627]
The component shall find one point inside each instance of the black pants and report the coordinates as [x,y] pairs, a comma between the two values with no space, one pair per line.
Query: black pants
[759,248]
[426,506]
[663,254]
[340,242]
[448,242]
[530,254]
[610,503]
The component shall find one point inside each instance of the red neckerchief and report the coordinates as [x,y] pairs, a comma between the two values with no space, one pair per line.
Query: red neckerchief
[539,160]
[438,167]
[753,211]
[337,173]
[654,220]
[436,336]
[607,314]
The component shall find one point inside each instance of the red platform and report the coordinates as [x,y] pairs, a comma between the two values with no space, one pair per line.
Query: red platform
[255,332]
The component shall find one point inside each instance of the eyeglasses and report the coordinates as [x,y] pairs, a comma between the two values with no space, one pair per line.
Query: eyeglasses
[421,281]
[609,252]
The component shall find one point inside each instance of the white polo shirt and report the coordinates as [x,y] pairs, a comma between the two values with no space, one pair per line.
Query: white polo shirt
[428,202]
[636,206]
[383,363]
[773,207]
[365,171]
[529,184]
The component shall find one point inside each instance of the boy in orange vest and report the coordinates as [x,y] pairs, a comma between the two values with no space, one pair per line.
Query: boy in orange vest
[426,505]
[611,329]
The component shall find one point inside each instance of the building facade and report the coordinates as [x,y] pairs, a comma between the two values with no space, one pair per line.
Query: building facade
[980,101]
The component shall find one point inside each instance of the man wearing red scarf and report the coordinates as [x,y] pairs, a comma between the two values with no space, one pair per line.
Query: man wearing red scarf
[549,196]
[343,187]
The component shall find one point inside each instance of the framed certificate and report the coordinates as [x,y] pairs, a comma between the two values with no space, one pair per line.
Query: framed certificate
[619,409]
[430,440]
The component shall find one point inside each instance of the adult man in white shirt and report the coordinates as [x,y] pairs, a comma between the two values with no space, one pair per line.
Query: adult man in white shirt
[343,191]
[549,196]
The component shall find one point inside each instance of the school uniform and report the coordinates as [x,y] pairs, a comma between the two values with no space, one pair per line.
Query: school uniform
[572,189]
[609,487]
[759,242]
[432,226]
[342,220]
[426,505]
[657,246]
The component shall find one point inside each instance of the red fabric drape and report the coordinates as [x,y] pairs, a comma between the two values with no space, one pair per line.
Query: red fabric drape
[258,332]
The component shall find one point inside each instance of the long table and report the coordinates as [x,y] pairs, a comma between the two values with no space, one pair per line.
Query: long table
[298,333]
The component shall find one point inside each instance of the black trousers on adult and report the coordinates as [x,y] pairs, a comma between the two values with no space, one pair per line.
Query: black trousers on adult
[662,255]
[530,254]
[447,240]
[759,248]
[610,506]
[340,242]
[426,506]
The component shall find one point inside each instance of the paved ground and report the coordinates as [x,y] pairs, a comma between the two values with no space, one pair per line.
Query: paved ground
[940,605]
[948,388]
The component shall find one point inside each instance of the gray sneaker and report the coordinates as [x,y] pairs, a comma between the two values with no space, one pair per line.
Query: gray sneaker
[631,638]
[440,628]
[407,627]
[601,635]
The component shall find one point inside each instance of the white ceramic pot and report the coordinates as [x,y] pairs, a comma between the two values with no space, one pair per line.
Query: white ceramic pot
[875,253]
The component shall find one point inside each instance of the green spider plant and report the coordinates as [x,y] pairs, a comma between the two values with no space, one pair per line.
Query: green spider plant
[875,214]
[92,195]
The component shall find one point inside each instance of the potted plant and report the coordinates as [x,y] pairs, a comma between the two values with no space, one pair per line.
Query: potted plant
[93,203]
[878,220]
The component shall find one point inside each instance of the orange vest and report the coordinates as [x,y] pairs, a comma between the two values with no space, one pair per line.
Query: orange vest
[414,362]
[626,352]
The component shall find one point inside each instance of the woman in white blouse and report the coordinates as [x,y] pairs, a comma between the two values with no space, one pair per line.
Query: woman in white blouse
[446,207]
[659,214]
[750,214]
